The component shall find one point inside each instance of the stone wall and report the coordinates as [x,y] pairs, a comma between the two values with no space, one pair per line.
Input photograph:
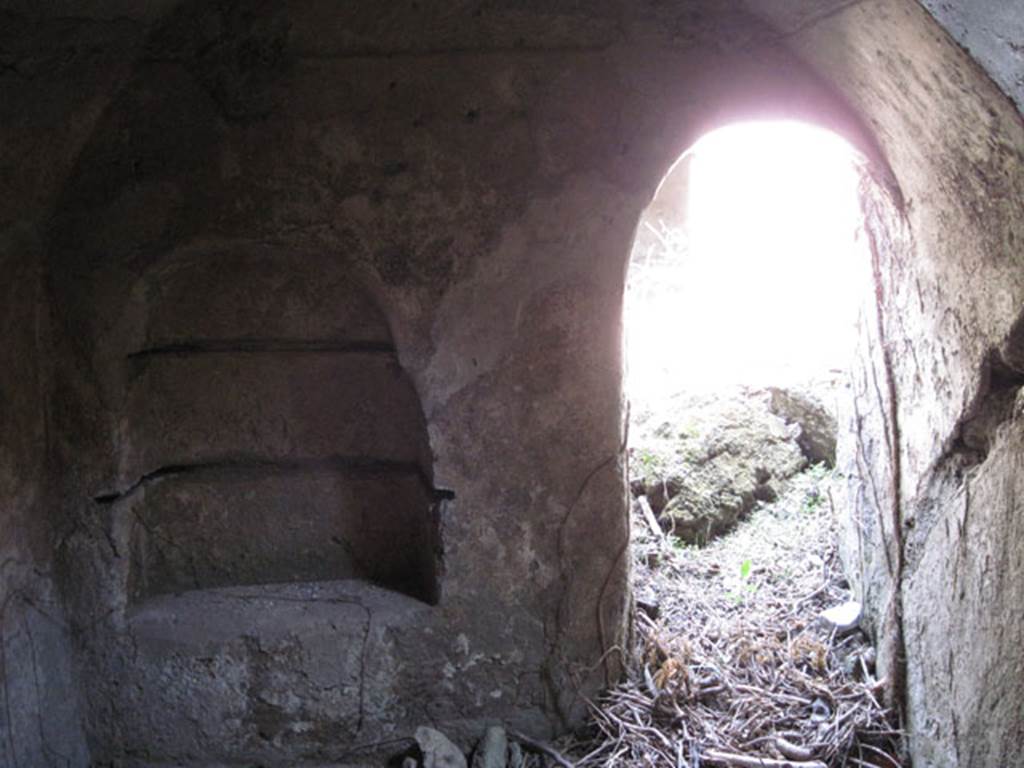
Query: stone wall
[486,204]
[935,379]
[42,127]
[40,722]
[455,190]
[992,32]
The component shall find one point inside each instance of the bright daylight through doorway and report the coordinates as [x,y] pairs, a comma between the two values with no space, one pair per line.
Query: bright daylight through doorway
[746,280]
[747,268]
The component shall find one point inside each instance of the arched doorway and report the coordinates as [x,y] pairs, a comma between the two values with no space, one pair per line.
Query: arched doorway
[748,289]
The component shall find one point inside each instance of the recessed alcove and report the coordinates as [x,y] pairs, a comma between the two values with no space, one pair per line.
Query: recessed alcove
[268,530]
[284,444]
[244,524]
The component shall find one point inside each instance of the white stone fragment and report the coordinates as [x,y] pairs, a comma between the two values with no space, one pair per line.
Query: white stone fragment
[843,617]
[438,751]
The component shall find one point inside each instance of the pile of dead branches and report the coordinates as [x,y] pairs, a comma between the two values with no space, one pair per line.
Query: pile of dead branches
[755,698]
[739,670]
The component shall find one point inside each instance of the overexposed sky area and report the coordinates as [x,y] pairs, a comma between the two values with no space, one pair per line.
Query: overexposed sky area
[772,272]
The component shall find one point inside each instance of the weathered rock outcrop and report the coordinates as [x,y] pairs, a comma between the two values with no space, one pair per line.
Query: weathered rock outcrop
[706,460]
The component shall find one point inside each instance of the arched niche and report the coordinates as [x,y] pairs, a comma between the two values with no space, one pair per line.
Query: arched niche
[266,432]
[263,524]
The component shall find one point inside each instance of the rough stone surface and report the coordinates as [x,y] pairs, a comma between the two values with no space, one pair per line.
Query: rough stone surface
[265,671]
[816,419]
[438,751]
[964,650]
[934,360]
[272,175]
[492,751]
[992,31]
[252,294]
[264,524]
[843,617]
[40,716]
[195,409]
[704,461]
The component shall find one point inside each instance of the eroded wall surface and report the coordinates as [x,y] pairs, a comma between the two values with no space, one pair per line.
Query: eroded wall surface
[42,127]
[471,176]
[40,722]
[932,541]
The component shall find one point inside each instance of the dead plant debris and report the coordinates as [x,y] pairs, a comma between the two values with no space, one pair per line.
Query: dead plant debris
[733,666]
